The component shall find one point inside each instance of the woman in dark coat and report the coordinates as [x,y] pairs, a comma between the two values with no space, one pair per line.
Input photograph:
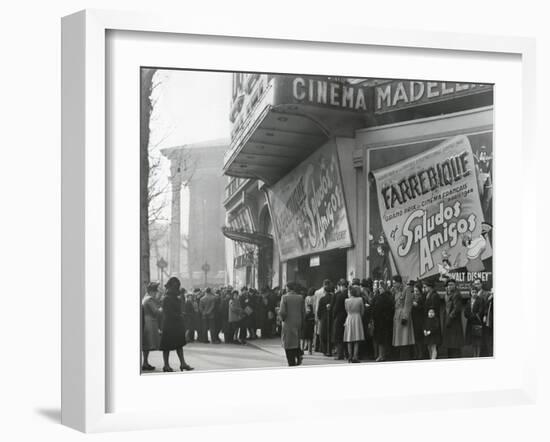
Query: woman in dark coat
[382,314]
[474,327]
[173,327]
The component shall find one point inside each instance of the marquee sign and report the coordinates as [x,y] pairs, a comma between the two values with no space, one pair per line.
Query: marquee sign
[401,94]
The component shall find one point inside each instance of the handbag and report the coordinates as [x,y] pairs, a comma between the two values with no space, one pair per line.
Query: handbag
[370,329]
[477,330]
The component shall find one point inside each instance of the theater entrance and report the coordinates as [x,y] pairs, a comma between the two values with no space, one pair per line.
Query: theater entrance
[311,270]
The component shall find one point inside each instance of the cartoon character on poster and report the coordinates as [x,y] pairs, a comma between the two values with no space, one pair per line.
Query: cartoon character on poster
[475,247]
[380,257]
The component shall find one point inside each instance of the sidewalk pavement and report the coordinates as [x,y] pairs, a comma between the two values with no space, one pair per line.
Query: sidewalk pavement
[257,353]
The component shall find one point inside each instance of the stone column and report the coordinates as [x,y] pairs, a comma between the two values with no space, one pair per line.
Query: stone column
[175,219]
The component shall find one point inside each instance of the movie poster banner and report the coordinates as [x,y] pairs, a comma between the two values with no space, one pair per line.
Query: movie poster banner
[308,208]
[431,213]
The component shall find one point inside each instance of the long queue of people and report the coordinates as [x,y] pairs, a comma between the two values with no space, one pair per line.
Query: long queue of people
[361,320]
[173,317]
[387,320]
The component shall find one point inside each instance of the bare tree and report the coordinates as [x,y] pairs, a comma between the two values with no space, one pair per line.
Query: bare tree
[146,109]
[155,178]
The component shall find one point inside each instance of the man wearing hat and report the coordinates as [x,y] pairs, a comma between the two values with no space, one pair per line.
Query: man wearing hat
[453,334]
[316,298]
[207,308]
[292,313]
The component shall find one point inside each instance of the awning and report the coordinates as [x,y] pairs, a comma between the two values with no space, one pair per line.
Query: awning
[256,238]
[281,130]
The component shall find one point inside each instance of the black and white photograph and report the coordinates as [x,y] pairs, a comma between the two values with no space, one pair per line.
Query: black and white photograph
[303,220]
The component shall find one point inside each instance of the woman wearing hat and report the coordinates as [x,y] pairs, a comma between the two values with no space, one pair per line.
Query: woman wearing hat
[150,336]
[173,327]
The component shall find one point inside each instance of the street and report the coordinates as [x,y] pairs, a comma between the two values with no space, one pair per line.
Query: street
[259,353]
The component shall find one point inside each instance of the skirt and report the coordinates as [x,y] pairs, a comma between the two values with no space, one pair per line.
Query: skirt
[150,339]
[307,329]
[353,328]
[173,335]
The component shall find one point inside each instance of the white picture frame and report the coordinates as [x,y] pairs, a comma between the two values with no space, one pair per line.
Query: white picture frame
[85,306]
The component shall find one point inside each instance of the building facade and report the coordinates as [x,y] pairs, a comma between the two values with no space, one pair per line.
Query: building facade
[198,257]
[326,179]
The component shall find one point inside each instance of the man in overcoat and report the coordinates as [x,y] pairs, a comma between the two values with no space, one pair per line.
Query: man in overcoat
[316,299]
[453,332]
[207,308]
[292,313]
[324,314]
[486,347]
[403,332]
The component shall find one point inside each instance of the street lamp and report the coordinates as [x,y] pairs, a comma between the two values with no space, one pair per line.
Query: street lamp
[162,264]
[205,268]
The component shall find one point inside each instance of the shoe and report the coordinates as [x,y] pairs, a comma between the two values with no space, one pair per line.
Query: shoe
[355,361]
[147,367]
[167,369]
[186,367]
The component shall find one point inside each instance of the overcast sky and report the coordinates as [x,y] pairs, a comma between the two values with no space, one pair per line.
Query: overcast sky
[190,106]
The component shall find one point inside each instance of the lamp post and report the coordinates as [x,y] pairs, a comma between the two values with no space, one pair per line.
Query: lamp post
[205,268]
[162,264]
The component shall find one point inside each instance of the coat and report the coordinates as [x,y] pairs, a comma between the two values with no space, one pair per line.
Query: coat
[190,315]
[432,300]
[339,315]
[207,306]
[382,314]
[432,325]
[474,315]
[453,335]
[324,314]
[150,338]
[417,315]
[292,313]
[403,334]
[173,327]
[236,312]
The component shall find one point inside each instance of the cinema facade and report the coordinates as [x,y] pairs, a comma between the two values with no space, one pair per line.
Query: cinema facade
[332,177]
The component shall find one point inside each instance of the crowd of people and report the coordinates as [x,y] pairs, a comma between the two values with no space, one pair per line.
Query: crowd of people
[362,320]
[173,317]
[388,320]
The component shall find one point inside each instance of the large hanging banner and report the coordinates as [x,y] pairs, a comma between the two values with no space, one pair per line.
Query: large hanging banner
[431,212]
[308,208]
